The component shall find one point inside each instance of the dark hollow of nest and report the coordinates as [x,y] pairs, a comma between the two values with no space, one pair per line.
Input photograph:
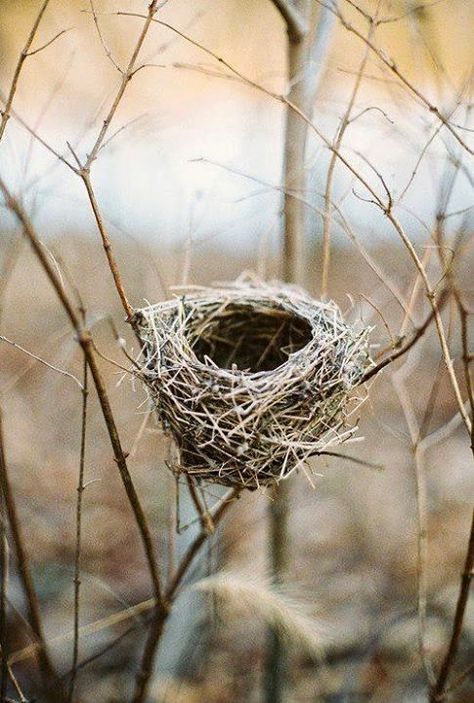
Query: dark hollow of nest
[252,340]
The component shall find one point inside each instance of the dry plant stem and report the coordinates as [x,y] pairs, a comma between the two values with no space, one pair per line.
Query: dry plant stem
[327,220]
[40,360]
[296,133]
[4,673]
[402,349]
[194,548]
[83,170]
[77,557]
[51,682]
[8,514]
[85,340]
[85,175]
[142,680]
[276,666]
[437,317]
[160,615]
[203,513]
[127,75]
[21,696]
[390,64]
[23,56]
[399,378]
[439,691]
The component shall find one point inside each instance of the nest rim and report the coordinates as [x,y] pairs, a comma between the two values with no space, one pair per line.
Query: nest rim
[174,352]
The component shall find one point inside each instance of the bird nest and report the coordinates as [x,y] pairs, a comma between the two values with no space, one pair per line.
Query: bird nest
[250,379]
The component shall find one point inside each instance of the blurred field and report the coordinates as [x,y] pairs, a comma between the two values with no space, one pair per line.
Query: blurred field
[353,575]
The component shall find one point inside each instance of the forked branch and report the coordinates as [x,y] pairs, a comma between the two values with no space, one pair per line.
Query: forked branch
[85,340]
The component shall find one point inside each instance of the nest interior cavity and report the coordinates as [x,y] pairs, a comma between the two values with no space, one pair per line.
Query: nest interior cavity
[250,379]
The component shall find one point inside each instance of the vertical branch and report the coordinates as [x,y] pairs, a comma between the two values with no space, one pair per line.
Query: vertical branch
[84,170]
[84,339]
[51,681]
[276,664]
[160,616]
[23,56]
[439,691]
[300,96]
[8,511]
[327,219]
[3,602]
[296,131]
[85,175]
[77,558]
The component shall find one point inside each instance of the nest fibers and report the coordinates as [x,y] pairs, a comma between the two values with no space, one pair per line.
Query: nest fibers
[250,379]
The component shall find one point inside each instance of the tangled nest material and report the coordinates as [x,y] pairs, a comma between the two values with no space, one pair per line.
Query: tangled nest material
[250,379]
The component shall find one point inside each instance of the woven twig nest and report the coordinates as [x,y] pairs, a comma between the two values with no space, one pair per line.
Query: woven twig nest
[250,379]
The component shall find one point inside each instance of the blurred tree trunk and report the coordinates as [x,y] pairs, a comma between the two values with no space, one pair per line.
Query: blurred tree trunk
[304,44]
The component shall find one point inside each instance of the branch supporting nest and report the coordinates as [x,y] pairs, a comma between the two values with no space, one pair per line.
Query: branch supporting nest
[250,379]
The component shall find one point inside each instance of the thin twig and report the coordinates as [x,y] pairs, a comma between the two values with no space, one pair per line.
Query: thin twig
[85,340]
[51,681]
[391,65]
[42,361]
[159,618]
[51,41]
[332,164]
[23,56]
[404,348]
[77,557]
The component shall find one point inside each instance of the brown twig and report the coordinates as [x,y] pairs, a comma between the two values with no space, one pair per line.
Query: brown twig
[85,340]
[332,164]
[391,65]
[51,681]
[204,516]
[114,268]
[402,349]
[84,169]
[160,616]
[23,56]
[77,556]
[439,690]
[40,360]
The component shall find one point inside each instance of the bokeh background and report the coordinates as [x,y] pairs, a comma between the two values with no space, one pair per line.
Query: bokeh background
[190,192]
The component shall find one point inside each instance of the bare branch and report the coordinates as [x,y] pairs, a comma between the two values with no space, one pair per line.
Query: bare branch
[330,175]
[42,361]
[23,56]
[404,348]
[51,681]
[107,51]
[391,65]
[159,619]
[51,41]
[295,22]
[77,554]
[85,340]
